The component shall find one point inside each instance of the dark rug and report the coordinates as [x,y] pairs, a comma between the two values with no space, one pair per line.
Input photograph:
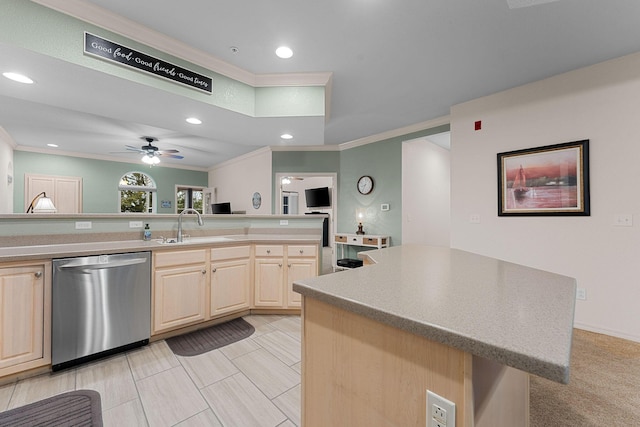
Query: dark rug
[75,408]
[208,339]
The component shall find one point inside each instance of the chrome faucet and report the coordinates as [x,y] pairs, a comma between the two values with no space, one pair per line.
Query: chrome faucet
[200,222]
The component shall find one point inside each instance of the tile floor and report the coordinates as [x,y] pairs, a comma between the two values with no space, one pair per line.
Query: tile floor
[254,382]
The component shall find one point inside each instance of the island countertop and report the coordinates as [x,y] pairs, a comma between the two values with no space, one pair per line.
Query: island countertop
[512,314]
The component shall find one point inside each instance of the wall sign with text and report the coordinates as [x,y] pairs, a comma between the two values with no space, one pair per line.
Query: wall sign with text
[97,46]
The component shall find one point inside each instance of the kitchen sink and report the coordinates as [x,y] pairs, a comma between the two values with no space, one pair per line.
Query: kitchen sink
[205,239]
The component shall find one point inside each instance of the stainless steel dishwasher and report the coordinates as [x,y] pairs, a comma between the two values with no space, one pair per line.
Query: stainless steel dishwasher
[100,305]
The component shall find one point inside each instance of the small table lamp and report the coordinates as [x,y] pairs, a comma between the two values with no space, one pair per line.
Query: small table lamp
[43,204]
[359,217]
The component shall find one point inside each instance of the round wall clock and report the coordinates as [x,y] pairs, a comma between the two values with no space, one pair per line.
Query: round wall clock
[365,184]
[256,200]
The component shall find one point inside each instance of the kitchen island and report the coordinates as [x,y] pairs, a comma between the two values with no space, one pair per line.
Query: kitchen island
[466,327]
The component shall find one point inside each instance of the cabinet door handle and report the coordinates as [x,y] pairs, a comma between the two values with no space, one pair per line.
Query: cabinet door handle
[301,251]
[214,270]
[38,274]
[268,251]
[289,265]
[279,264]
[204,271]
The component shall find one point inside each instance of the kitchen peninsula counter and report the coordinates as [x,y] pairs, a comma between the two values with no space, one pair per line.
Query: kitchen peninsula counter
[491,322]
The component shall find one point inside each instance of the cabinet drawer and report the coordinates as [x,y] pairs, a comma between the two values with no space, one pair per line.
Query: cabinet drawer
[341,239]
[165,259]
[218,254]
[370,240]
[269,250]
[355,240]
[301,250]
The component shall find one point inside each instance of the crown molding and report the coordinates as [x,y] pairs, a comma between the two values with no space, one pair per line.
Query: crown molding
[93,14]
[444,120]
[7,138]
[258,152]
[304,148]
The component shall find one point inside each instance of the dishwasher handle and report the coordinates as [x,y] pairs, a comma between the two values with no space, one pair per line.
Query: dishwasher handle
[101,265]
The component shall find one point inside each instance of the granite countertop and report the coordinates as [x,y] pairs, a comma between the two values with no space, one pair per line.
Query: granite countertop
[64,250]
[515,315]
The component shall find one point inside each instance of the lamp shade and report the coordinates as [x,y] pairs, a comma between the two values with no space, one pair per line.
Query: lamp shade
[41,204]
[44,205]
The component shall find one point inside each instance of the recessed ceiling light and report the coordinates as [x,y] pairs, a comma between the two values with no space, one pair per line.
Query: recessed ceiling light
[286,136]
[17,77]
[194,121]
[284,52]
[52,145]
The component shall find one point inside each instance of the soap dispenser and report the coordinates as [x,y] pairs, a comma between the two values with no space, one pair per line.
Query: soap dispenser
[147,232]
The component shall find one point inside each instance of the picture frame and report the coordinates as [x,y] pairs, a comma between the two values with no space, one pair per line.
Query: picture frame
[551,180]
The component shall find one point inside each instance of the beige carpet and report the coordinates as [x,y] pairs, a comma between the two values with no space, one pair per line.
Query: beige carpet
[603,390]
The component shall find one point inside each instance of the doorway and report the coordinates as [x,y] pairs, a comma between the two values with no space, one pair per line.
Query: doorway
[426,183]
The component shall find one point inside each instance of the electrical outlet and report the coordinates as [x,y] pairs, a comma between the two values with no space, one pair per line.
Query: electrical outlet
[83,225]
[474,218]
[440,411]
[135,224]
[623,220]
[581,294]
[284,222]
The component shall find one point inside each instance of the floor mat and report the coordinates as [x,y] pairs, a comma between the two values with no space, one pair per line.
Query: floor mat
[204,340]
[75,408]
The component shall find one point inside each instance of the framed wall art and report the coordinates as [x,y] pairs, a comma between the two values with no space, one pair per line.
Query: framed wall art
[545,181]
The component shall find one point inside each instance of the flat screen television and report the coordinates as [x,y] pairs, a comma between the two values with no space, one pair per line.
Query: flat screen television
[221,208]
[318,197]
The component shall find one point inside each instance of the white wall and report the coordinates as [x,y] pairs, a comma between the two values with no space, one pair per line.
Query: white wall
[236,180]
[600,103]
[6,172]
[425,193]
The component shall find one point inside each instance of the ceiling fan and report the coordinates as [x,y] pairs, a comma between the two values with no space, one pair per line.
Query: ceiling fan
[151,152]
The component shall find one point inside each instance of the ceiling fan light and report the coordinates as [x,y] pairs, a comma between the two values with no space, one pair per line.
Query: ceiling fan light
[194,121]
[150,160]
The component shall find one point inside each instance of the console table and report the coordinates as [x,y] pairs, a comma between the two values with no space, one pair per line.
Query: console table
[362,240]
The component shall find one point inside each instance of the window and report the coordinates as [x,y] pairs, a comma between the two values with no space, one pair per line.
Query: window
[137,193]
[189,197]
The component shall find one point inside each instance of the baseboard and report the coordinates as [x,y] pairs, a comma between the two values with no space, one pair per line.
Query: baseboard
[605,331]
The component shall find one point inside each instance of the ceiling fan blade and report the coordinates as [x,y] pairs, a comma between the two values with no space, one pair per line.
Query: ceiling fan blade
[173,156]
[167,151]
[132,148]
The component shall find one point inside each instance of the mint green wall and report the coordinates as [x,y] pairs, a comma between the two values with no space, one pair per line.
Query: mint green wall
[381,160]
[100,179]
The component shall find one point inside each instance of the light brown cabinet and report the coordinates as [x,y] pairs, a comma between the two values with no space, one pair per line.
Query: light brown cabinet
[276,268]
[25,316]
[302,263]
[196,285]
[269,276]
[230,280]
[179,290]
